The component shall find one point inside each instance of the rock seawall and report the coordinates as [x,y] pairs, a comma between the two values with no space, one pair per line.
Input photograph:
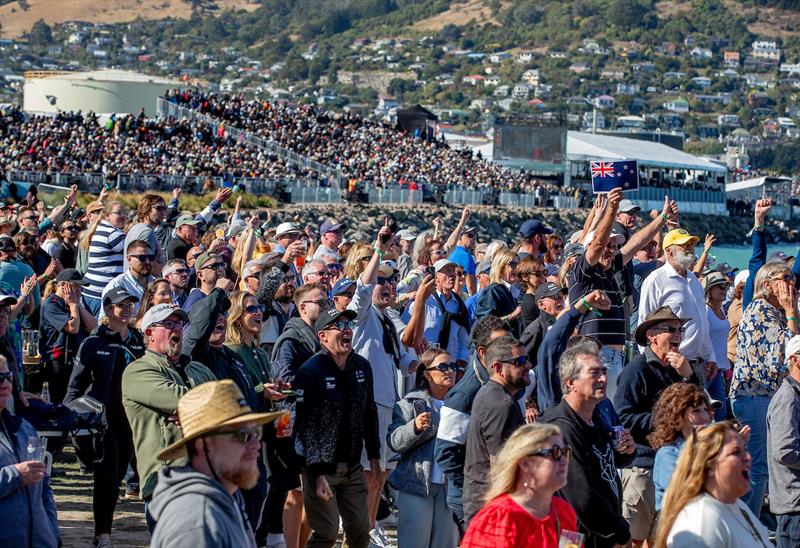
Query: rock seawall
[503,223]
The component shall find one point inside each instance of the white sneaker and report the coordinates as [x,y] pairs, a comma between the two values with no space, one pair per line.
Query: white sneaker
[377,538]
[104,541]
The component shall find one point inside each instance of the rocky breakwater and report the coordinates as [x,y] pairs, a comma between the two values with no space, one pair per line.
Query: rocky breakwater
[503,223]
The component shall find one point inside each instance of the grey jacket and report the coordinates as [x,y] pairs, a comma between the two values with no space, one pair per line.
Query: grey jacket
[783,448]
[192,509]
[413,472]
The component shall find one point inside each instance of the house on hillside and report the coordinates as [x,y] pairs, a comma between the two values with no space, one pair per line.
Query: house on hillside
[731,59]
[501,91]
[473,79]
[728,120]
[793,68]
[604,102]
[612,73]
[767,50]
[521,91]
[701,53]
[677,105]
[707,131]
[499,57]
[628,89]
[492,81]
[579,68]
[630,122]
[531,76]
[702,82]
[525,57]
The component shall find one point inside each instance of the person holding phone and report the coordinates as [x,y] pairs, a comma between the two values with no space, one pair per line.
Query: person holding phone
[423,516]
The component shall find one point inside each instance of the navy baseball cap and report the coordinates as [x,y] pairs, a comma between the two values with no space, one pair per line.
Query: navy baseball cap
[341,286]
[331,226]
[531,227]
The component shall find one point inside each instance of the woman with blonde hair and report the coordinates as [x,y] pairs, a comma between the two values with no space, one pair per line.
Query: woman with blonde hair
[357,259]
[767,325]
[94,214]
[702,506]
[522,509]
[498,298]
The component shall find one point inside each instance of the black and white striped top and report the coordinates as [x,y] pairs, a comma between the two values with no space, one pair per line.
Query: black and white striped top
[106,258]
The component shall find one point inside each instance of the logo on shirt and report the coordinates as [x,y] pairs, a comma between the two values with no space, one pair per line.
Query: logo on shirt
[360,376]
[607,469]
[330,383]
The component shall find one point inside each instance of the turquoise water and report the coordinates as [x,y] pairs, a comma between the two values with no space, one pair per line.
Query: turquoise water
[738,256]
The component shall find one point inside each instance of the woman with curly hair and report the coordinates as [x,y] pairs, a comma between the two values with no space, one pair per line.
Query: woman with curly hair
[680,408]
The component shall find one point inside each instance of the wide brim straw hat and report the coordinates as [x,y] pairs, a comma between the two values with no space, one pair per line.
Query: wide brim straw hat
[208,407]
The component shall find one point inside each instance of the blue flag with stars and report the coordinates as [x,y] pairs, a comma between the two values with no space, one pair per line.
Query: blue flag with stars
[607,176]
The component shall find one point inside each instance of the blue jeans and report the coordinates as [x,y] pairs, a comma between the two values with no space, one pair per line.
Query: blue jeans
[716,389]
[752,411]
[92,305]
[614,361]
[148,518]
[454,502]
[788,533]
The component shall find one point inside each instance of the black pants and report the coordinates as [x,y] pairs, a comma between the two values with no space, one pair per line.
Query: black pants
[117,453]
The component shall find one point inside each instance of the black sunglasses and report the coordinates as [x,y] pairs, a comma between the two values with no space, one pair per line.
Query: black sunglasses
[7,376]
[143,258]
[384,281]
[341,325]
[243,436]
[444,367]
[556,453]
[215,266]
[255,308]
[521,361]
[670,329]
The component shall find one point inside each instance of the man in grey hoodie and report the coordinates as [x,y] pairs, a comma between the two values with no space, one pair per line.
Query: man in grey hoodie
[200,505]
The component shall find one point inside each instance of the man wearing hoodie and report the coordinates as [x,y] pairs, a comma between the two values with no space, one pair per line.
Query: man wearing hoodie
[201,504]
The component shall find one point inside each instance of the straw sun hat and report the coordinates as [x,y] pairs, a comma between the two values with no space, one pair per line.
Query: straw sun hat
[208,407]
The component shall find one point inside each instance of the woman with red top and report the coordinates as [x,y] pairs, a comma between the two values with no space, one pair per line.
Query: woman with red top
[521,510]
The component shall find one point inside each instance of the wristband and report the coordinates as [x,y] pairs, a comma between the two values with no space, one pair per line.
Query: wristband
[379,252]
[586,304]
[665,217]
[792,318]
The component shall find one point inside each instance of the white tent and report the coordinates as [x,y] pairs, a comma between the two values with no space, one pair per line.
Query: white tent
[589,147]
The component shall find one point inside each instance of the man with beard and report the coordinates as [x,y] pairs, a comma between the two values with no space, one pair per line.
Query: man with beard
[211,270]
[676,286]
[151,388]
[151,213]
[177,274]
[598,267]
[593,487]
[495,415]
[336,420]
[29,252]
[282,310]
[200,504]
[533,238]
[67,251]
[136,279]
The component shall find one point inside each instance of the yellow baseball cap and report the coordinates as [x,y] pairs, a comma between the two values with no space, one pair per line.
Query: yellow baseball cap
[679,236]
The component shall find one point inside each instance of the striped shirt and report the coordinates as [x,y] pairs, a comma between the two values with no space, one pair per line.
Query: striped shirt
[106,258]
[583,278]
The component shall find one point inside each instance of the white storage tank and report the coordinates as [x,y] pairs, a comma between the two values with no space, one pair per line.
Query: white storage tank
[102,91]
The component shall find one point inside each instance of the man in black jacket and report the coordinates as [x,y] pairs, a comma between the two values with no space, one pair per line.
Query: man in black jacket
[549,301]
[640,384]
[336,419]
[593,486]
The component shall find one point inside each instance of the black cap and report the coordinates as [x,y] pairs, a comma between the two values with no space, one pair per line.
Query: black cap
[7,244]
[118,295]
[329,316]
[548,289]
[72,276]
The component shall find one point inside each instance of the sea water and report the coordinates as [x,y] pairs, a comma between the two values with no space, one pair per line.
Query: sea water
[739,256]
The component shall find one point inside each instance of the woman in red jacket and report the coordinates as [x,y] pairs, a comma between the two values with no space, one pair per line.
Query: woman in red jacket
[521,509]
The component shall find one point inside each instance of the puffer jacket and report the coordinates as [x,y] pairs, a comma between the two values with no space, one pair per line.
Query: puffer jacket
[413,472]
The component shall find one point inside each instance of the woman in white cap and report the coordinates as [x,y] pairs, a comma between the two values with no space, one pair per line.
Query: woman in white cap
[715,286]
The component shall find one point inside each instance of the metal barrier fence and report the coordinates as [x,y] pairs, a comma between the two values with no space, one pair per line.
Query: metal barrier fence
[394,196]
[166,108]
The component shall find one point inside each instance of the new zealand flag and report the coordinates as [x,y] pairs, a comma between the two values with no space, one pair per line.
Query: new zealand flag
[607,176]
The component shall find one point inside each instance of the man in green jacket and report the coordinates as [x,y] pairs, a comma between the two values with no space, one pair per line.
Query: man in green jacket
[151,388]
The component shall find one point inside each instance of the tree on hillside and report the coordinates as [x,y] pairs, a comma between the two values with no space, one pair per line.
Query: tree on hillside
[41,35]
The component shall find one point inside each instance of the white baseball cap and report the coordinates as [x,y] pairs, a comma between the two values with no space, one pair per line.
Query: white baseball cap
[792,347]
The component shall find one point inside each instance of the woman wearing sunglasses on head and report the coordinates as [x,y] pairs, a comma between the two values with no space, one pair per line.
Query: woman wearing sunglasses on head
[522,509]
[423,516]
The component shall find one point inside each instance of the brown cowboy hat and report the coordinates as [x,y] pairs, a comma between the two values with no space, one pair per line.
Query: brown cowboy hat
[208,407]
[657,316]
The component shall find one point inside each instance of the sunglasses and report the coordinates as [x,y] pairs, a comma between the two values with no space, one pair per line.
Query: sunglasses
[438,252]
[521,361]
[384,281]
[181,271]
[143,258]
[671,329]
[160,208]
[124,306]
[444,367]
[335,267]
[215,266]
[320,273]
[341,325]
[540,273]
[120,213]
[255,308]
[322,303]
[27,241]
[513,264]
[556,453]
[7,376]
[30,218]
[71,228]
[243,435]
[172,325]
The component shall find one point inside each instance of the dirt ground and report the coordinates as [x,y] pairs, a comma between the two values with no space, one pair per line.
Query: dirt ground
[73,492]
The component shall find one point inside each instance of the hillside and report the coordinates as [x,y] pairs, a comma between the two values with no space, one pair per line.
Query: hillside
[17,18]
